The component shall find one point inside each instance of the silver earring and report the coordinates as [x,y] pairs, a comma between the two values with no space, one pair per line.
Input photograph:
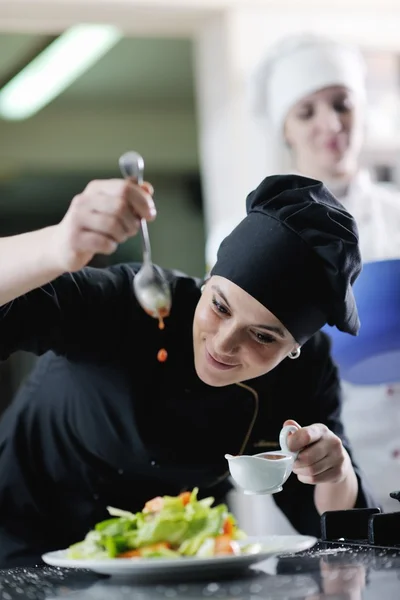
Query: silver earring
[294,354]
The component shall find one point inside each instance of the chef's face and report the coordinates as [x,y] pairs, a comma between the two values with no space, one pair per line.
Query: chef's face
[236,338]
[324,132]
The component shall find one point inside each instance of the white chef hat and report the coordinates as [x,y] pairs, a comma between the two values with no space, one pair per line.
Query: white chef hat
[300,65]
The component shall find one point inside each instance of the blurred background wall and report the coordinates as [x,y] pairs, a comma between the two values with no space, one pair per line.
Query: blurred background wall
[173,87]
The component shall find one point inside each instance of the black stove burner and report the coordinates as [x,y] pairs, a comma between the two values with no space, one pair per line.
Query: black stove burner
[362,526]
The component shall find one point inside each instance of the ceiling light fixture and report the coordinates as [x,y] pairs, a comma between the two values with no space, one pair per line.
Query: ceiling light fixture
[55,68]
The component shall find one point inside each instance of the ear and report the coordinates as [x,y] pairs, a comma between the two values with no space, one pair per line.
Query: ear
[205,281]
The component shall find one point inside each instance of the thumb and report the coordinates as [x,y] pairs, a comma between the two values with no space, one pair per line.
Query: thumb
[289,435]
[291,422]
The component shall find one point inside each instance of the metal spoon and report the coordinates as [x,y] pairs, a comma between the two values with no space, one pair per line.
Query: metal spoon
[150,286]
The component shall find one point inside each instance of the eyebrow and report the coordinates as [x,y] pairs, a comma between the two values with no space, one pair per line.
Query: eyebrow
[273,328]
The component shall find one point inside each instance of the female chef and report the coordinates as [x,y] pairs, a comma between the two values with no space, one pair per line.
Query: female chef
[311,91]
[100,421]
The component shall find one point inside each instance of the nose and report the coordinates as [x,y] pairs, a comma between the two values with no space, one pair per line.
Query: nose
[328,120]
[226,341]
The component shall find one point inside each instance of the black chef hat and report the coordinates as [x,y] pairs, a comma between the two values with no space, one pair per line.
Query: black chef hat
[297,253]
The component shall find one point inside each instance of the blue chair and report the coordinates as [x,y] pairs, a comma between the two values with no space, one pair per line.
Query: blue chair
[372,357]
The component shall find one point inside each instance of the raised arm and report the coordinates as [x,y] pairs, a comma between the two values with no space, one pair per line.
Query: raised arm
[103,215]
[41,296]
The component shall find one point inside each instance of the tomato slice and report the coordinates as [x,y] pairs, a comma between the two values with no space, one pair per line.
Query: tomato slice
[223,545]
[154,505]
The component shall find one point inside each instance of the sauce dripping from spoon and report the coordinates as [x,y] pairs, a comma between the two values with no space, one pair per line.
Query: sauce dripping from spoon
[161,314]
[162,354]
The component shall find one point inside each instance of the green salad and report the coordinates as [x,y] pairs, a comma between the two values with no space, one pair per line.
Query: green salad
[167,527]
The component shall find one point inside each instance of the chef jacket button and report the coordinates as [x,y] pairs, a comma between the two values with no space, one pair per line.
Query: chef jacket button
[120,471]
[153,463]
[96,496]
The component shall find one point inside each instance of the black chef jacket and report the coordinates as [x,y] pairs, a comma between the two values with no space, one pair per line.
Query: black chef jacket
[101,422]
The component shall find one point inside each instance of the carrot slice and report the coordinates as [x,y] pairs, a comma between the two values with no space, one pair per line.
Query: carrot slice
[228,526]
[185,496]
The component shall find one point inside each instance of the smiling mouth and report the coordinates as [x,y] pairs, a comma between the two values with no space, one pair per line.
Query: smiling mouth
[217,364]
[334,144]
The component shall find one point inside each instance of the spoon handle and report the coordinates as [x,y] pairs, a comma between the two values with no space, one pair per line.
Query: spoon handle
[146,242]
[131,165]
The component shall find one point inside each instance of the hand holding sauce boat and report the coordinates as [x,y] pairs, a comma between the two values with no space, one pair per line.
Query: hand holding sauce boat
[313,453]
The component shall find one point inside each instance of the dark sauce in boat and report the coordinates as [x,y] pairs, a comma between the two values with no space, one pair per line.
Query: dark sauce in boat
[273,456]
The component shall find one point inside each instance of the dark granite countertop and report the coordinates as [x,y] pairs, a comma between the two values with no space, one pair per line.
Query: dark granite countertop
[325,572]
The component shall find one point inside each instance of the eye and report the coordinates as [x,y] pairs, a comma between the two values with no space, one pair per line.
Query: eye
[218,307]
[264,338]
[343,105]
[306,112]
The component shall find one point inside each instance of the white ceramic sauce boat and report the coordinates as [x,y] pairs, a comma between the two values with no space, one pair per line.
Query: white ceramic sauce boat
[264,473]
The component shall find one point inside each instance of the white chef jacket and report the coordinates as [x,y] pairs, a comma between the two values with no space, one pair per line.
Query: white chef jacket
[376,209]
[371,414]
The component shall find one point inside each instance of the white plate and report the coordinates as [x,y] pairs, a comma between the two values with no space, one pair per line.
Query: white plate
[151,568]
